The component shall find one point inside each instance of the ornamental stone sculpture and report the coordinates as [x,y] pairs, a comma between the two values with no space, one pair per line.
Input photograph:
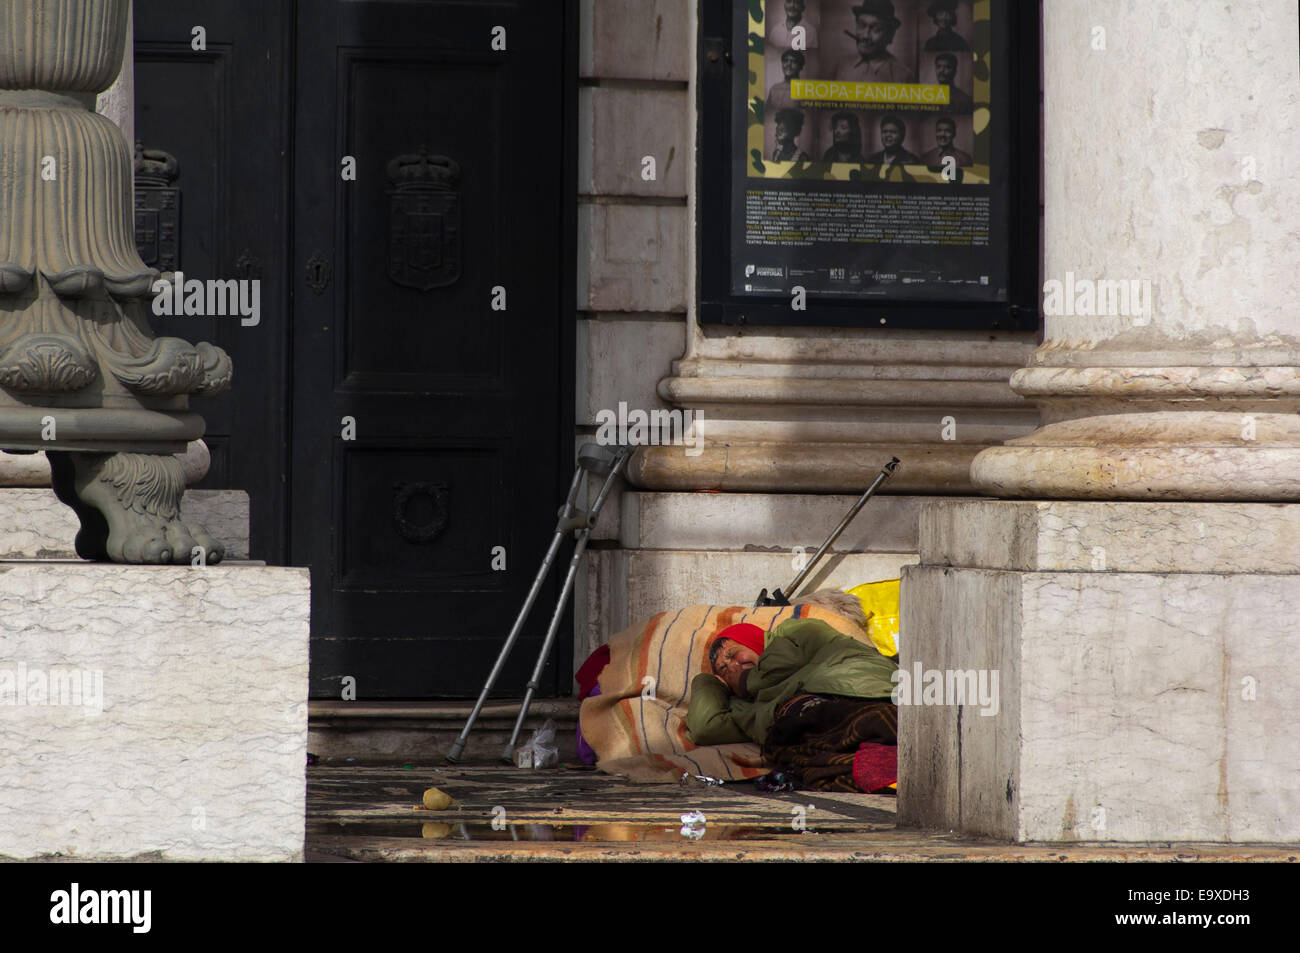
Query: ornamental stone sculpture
[82,376]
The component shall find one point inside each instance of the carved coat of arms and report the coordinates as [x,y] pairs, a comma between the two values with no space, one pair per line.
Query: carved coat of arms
[424,230]
[157,208]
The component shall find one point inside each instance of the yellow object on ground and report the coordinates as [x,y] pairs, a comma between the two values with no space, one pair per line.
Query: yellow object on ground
[880,605]
[435,800]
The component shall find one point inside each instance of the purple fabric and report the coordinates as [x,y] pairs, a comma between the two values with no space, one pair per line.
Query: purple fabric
[585,754]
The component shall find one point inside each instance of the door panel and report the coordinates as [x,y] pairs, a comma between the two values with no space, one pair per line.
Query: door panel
[456,408]
[384,95]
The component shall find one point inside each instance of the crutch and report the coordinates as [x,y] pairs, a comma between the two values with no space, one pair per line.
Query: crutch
[592,459]
[779,598]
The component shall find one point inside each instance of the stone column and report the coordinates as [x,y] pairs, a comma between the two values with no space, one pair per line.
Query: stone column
[1170,169]
[82,376]
[118,101]
[118,104]
[1137,621]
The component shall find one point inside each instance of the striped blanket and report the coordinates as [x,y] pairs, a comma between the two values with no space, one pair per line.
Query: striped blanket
[637,724]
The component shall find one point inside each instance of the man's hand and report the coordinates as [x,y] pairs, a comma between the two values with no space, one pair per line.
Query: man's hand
[734,679]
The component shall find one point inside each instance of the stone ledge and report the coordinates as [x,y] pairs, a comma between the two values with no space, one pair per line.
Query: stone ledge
[341,712]
[948,396]
[804,467]
[425,731]
[757,522]
[1056,536]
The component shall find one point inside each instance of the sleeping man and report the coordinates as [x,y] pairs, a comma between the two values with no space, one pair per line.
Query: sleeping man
[818,703]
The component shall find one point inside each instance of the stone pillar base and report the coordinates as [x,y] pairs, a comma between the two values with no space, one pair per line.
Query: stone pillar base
[35,525]
[1147,665]
[153,711]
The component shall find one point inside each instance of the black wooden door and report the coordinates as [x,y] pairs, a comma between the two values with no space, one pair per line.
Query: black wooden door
[212,115]
[431,334]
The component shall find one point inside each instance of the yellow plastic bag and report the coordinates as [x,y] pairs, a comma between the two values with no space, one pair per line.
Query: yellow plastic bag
[880,605]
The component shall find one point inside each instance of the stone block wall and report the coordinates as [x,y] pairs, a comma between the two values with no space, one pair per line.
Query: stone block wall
[634,234]
[633,231]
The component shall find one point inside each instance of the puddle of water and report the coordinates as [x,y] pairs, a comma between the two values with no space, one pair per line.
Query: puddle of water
[484,831]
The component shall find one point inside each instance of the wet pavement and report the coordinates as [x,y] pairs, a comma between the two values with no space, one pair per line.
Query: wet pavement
[374,813]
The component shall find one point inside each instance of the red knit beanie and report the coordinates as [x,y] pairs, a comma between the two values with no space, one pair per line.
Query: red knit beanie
[747,634]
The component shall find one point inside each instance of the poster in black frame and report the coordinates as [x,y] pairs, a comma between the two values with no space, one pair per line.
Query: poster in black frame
[743,180]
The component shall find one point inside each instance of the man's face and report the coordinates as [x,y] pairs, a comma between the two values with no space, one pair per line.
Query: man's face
[841,131]
[789,67]
[943,133]
[945,19]
[793,10]
[890,135]
[733,660]
[873,36]
[782,134]
[945,70]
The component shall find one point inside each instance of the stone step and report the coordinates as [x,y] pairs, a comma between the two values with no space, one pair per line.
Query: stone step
[405,731]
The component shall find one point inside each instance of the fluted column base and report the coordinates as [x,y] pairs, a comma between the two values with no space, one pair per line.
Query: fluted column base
[1152,433]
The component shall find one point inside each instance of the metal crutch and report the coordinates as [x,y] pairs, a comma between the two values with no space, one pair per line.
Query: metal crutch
[779,598]
[592,459]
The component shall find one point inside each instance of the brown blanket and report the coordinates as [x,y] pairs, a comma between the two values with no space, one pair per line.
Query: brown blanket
[817,741]
[637,725]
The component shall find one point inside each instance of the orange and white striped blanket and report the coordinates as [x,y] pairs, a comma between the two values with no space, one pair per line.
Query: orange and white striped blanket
[637,724]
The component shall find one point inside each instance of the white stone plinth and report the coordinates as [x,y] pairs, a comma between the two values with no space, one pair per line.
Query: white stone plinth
[1146,692]
[185,737]
[35,525]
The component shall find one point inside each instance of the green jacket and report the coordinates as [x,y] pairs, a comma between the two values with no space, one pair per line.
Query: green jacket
[802,655]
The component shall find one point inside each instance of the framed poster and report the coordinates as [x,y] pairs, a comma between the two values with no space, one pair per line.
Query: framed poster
[869,162]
